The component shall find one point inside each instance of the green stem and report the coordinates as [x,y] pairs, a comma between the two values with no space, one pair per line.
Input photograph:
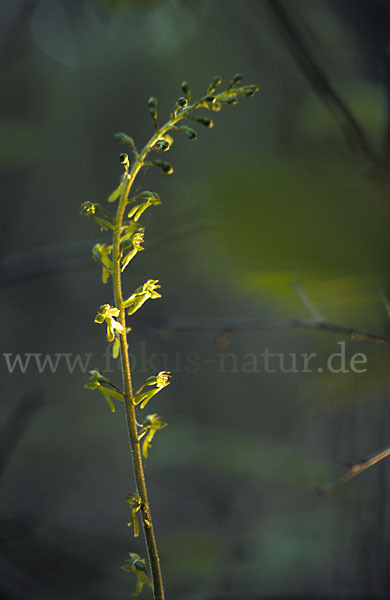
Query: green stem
[151,544]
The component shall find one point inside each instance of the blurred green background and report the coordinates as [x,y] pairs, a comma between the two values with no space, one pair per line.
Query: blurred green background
[291,185]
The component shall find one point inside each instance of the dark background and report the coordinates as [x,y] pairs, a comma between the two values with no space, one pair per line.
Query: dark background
[291,185]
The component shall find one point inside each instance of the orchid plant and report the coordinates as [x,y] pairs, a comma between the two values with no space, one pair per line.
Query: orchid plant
[127,239]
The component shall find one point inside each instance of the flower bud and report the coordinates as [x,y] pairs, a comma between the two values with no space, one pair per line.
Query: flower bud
[236,79]
[210,98]
[182,102]
[124,139]
[216,107]
[230,100]
[217,80]
[152,103]
[165,166]
[124,160]
[185,86]
[203,121]
[190,133]
[250,90]
[162,145]
[87,208]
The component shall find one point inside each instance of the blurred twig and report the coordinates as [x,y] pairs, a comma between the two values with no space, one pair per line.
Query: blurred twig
[298,289]
[174,324]
[353,470]
[316,76]
[53,259]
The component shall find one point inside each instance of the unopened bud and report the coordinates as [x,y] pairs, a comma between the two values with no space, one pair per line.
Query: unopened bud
[165,166]
[182,102]
[250,90]
[217,80]
[190,133]
[204,121]
[185,86]
[162,145]
[152,103]
[124,160]
[236,79]
[210,98]
[230,100]
[124,139]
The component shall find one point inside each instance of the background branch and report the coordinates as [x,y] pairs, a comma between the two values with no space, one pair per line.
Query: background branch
[175,324]
[353,470]
[319,81]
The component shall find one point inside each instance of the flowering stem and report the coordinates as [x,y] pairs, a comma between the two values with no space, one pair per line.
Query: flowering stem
[159,141]
[151,544]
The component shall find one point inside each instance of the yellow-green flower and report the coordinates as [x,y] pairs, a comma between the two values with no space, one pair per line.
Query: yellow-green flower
[161,380]
[149,427]
[97,381]
[107,313]
[100,253]
[136,565]
[135,503]
[141,294]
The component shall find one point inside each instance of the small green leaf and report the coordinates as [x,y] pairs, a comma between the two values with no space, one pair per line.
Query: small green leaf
[116,348]
[100,253]
[116,193]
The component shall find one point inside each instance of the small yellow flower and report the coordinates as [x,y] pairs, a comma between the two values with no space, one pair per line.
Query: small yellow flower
[107,313]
